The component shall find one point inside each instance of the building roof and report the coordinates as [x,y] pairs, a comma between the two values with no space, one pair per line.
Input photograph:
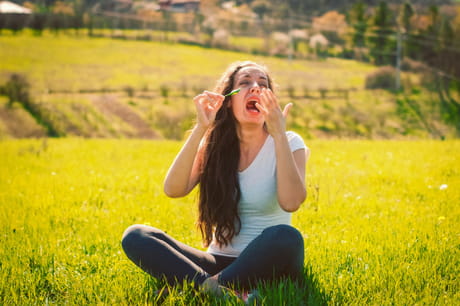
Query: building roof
[177,1]
[7,7]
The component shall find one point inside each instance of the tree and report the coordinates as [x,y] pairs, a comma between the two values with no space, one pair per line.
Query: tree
[37,23]
[332,24]
[448,78]
[261,8]
[429,38]
[167,22]
[437,42]
[359,21]
[405,26]
[17,89]
[405,15]
[79,11]
[382,47]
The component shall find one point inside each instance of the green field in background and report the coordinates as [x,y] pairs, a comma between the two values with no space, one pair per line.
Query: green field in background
[81,62]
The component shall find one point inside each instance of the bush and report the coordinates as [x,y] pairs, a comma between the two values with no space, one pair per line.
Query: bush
[17,89]
[411,65]
[129,90]
[428,80]
[172,123]
[164,91]
[383,78]
[290,91]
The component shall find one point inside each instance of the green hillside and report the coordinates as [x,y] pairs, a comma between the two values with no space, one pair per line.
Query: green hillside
[100,87]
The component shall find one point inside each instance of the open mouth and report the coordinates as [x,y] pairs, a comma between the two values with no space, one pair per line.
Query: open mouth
[251,106]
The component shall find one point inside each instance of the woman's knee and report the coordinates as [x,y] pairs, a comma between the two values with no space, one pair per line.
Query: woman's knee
[131,237]
[136,235]
[286,238]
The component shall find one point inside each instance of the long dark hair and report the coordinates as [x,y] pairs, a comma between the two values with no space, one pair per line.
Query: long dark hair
[219,186]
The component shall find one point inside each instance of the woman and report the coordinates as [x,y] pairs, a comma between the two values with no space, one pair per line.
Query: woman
[251,176]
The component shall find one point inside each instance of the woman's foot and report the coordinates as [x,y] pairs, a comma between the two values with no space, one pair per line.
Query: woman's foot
[212,285]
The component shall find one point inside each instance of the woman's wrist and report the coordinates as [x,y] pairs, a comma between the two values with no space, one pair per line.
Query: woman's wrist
[279,135]
[200,129]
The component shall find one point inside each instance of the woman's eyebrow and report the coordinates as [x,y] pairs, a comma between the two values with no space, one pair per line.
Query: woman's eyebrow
[263,77]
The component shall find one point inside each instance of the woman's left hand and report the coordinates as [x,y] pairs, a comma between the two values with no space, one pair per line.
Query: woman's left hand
[275,119]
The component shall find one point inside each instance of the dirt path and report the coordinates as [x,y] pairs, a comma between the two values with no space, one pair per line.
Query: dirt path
[20,124]
[108,104]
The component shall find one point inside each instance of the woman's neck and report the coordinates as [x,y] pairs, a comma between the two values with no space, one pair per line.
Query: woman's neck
[251,137]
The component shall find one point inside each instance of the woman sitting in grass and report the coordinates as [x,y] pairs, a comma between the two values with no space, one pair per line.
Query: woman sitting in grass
[251,175]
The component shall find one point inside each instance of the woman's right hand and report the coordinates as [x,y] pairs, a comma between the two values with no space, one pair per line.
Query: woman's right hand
[207,104]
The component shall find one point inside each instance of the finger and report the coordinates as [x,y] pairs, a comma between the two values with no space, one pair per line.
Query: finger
[214,105]
[213,94]
[213,111]
[209,100]
[261,108]
[214,100]
[286,110]
[201,104]
[270,97]
[264,100]
[201,114]
[219,103]
[198,97]
[198,100]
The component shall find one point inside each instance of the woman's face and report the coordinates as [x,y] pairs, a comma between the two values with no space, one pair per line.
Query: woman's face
[250,80]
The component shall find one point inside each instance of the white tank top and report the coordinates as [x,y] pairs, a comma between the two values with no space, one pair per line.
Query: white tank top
[258,207]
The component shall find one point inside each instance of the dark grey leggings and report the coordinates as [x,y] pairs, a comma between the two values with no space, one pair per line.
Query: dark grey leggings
[276,253]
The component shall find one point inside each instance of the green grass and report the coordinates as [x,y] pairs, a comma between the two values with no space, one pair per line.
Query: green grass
[138,70]
[80,62]
[381,222]
[247,43]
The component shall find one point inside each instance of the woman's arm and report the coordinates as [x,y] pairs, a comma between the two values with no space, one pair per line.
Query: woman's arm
[183,175]
[290,166]
[290,174]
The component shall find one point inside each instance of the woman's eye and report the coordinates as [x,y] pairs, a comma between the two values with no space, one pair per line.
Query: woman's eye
[263,85]
[243,83]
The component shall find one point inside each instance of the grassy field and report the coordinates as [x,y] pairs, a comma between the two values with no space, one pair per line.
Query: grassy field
[381,223]
[110,88]
[73,63]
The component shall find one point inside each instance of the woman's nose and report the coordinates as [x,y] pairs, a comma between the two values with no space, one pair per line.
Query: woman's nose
[255,89]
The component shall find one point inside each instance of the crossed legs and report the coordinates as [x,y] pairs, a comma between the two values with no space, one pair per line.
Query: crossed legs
[277,252]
